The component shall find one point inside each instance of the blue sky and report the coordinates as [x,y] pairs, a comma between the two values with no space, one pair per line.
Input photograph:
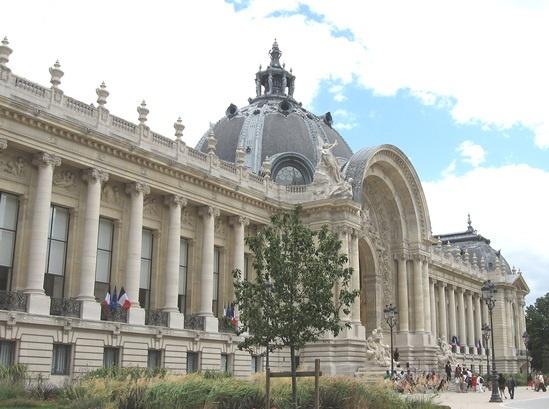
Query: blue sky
[460,87]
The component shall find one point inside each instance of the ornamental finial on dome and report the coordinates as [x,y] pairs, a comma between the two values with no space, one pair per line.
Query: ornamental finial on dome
[275,54]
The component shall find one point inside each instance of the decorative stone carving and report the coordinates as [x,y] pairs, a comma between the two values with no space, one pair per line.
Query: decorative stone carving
[112,194]
[65,179]
[376,351]
[179,127]
[14,166]
[102,95]
[187,217]
[56,74]
[94,175]
[3,144]
[220,226]
[173,200]
[151,206]
[137,187]
[43,159]
[444,353]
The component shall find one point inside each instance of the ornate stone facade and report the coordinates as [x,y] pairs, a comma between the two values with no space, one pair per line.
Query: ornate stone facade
[167,222]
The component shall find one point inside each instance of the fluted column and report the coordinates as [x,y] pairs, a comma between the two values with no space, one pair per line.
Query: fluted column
[208,215]
[171,280]
[137,191]
[419,318]
[344,237]
[461,320]
[355,282]
[443,328]
[478,319]
[427,296]
[402,295]
[470,320]
[452,311]
[90,308]
[433,308]
[38,244]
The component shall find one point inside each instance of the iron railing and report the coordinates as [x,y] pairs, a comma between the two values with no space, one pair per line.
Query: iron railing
[65,307]
[195,322]
[225,325]
[157,318]
[117,315]
[13,301]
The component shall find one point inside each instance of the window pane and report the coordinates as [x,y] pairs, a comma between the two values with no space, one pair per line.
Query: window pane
[224,364]
[192,362]
[146,244]
[61,359]
[110,357]
[4,278]
[182,280]
[103,266]
[101,290]
[183,249]
[106,228]
[8,211]
[56,263]
[145,274]
[7,241]
[153,359]
[216,260]
[60,223]
[7,353]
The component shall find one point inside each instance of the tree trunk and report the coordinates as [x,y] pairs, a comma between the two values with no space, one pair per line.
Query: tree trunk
[294,377]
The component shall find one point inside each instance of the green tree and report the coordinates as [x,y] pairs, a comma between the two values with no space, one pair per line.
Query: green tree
[537,326]
[291,301]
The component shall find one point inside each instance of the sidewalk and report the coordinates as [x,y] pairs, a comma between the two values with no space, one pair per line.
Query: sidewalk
[472,400]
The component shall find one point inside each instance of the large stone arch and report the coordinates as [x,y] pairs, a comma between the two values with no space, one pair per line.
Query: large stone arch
[395,221]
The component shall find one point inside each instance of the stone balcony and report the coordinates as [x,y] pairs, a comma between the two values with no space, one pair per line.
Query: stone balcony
[13,301]
[65,307]
[157,318]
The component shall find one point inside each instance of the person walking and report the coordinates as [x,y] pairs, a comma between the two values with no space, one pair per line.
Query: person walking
[511,386]
[501,385]
[448,369]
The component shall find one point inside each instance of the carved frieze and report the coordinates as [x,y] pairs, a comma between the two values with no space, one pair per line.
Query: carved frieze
[13,166]
[112,194]
[65,179]
[152,206]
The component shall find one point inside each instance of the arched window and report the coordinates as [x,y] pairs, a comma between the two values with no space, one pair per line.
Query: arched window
[292,169]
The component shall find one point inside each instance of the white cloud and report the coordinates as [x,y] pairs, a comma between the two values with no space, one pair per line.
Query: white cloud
[337,91]
[508,205]
[344,120]
[471,153]
[450,170]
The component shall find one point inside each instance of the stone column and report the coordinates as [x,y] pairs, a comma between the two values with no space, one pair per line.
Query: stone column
[402,295]
[137,191]
[470,320]
[239,224]
[452,311]
[355,281]
[478,323]
[443,328]
[427,297]
[171,280]
[208,215]
[433,308]
[461,320]
[38,302]
[419,318]
[344,237]
[90,309]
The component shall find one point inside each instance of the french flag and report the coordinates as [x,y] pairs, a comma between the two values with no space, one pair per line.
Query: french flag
[124,300]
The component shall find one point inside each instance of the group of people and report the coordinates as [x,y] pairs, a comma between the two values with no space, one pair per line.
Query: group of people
[537,382]
[410,381]
[465,379]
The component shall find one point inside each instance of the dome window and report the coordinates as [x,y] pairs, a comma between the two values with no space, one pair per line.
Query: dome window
[231,111]
[285,107]
[292,168]
[289,175]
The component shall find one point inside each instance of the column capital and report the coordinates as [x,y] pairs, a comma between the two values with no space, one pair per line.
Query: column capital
[208,211]
[3,144]
[175,200]
[441,284]
[137,187]
[95,175]
[235,220]
[44,159]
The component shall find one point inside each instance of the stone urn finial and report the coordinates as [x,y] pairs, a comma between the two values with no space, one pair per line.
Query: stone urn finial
[143,111]
[5,52]
[179,127]
[267,167]
[56,74]
[212,141]
[102,94]
[240,156]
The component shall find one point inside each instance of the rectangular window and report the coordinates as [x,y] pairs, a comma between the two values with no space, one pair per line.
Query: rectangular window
[192,362]
[246,271]
[54,280]
[111,357]
[256,364]
[226,363]
[183,266]
[7,353]
[154,359]
[9,208]
[215,302]
[61,361]
[104,258]
[146,269]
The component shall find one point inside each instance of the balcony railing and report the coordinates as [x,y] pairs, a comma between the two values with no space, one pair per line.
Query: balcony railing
[13,301]
[65,307]
[195,322]
[116,315]
[225,325]
[157,318]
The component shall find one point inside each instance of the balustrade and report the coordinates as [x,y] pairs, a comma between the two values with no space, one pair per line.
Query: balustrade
[65,307]
[157,318]
[13,301]
[197,322]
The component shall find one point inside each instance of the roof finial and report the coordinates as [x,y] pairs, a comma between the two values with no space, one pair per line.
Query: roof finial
[275,54]
[5,52]
[56,74]
[179,127]
[469,224]
[143,111]
[102,95]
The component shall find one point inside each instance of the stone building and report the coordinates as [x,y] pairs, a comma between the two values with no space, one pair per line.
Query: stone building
[91,202]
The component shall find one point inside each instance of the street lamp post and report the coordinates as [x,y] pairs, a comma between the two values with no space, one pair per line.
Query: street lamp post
[391,315]
[486,337]
[525,339]
[489,297]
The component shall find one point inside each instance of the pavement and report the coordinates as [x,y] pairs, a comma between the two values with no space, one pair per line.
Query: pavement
[524,399]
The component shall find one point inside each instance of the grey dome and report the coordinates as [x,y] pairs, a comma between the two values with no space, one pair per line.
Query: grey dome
[275,125]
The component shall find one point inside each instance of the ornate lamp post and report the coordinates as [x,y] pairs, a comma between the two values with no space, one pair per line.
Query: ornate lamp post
[489,297]
[391,315]
[525,339]
[486,337]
